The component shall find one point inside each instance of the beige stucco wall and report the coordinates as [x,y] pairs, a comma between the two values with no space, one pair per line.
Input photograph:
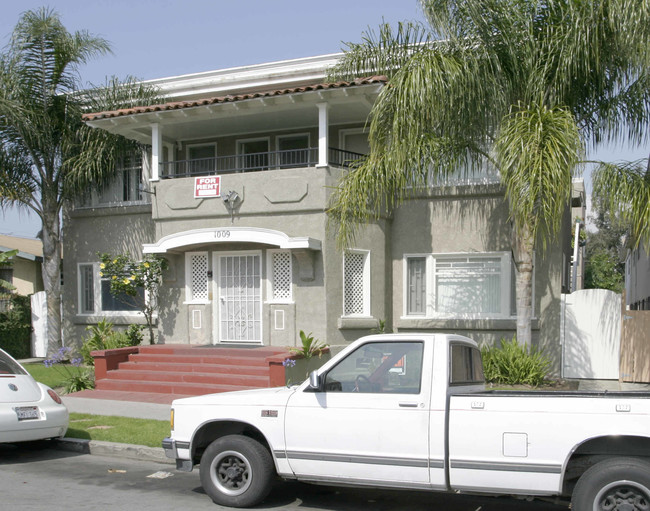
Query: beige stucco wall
[27,276]
[294,201]
[89,231]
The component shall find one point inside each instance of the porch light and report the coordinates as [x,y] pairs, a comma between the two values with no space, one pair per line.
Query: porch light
[231,200]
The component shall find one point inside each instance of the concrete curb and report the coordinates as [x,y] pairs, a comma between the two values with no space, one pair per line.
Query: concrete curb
[134,452]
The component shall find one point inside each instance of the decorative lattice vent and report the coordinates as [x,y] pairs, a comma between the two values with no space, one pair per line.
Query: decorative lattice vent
[281,275]
[354,283]
[199,276]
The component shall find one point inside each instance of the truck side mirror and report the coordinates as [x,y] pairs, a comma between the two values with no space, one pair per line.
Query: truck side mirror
[314,380]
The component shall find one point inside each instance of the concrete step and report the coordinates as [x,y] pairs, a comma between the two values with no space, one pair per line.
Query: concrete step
[181,388]
[245,380]
[194,368]
[199,359]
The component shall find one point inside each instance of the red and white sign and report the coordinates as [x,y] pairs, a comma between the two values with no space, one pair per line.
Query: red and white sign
[207,187]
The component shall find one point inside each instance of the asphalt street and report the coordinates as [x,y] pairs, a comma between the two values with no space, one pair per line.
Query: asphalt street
[38,478]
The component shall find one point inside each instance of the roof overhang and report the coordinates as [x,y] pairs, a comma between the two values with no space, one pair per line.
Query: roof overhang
[185,240]
[271,109]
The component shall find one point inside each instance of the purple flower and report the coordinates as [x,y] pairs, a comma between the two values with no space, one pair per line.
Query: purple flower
[289,362]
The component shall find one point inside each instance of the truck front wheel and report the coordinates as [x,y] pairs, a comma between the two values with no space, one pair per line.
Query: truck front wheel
[236,471]
[619,484]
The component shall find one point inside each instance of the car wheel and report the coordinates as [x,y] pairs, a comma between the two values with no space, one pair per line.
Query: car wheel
[619,484]
[236,471]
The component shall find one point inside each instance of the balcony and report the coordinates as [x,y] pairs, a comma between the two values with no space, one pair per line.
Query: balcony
[255,162]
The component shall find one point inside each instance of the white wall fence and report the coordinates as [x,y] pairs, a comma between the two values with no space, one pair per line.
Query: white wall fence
[591,334]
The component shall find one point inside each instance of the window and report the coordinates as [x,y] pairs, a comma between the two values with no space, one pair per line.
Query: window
[94,294]
[86,289]
[196,274]
[416,297]
[356,283]
[379,367]
[201,158]
[459,285]
[465,365]
[253,154]
[279,264]
[125,187]
[294,150]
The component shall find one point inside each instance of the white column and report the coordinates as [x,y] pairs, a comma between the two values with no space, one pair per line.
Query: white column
[156,151]
[323,138]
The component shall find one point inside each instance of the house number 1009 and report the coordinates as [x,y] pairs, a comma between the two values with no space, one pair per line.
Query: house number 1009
[222,234]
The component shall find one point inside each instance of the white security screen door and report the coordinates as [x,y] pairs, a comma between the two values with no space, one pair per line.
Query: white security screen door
[240,298]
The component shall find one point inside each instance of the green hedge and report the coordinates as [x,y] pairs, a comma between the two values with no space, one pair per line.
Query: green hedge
[16,327]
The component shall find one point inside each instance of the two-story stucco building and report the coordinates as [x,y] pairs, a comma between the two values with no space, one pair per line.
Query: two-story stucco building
[233,190]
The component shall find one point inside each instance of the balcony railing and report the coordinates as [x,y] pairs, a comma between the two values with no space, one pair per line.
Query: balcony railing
[255,162]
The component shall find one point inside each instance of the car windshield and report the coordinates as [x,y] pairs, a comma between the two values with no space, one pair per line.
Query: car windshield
[9,366]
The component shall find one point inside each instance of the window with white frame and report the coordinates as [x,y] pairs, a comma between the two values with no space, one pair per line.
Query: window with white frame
[125,186]
[356,283]
[458,285]
[280,276]
[95,297]
[196,275]
[202,158]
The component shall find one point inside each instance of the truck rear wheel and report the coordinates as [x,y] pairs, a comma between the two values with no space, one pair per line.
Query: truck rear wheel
[619,484]
[236,471]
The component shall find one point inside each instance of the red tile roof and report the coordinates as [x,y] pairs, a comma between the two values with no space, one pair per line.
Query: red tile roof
[177,105]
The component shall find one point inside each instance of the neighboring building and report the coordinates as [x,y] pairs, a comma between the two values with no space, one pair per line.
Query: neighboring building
[637,279]
[24,272]
[578,212]
[251,258]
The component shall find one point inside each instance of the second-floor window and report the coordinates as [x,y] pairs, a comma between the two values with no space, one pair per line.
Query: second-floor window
[125,186]
[201,158]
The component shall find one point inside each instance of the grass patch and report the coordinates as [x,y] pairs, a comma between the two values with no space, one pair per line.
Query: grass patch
[55,376]
[124,430]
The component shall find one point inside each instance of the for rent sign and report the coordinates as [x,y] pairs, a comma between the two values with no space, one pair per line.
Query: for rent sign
[207,187]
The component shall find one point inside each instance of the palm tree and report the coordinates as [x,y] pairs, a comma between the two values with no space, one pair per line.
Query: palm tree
[519,85]
[47,155]
[625,188]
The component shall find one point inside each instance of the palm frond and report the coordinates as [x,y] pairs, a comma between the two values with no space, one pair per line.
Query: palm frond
[381,52]
[625,189]
[537,150]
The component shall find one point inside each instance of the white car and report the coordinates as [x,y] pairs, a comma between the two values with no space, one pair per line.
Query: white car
[28,410]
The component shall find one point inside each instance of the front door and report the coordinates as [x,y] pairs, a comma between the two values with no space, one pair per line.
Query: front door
[239,304]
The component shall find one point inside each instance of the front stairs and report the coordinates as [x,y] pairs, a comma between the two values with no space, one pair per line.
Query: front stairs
[181,370]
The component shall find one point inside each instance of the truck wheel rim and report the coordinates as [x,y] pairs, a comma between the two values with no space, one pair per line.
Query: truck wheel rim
[231,473]
[623,496]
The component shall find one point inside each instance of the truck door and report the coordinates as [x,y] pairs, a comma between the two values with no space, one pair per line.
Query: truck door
[370,419]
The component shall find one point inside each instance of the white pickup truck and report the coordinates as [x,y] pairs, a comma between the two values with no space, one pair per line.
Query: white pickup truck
[411,411]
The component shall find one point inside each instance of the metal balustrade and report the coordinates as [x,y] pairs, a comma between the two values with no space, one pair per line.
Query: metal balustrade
[255,162]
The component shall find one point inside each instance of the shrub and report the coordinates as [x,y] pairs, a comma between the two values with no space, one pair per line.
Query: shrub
[102,337]
[310,346]
[512,363]
[16,327]
[73,381]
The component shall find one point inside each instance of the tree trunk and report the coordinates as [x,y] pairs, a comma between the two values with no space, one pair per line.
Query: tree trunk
[522,250]
[51,271]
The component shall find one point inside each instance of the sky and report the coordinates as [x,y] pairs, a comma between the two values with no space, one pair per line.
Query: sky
[163,38]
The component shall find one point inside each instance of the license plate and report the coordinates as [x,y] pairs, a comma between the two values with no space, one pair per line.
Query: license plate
[27,413]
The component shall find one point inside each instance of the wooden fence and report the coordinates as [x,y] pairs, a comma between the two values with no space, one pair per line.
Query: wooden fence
[635,346]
